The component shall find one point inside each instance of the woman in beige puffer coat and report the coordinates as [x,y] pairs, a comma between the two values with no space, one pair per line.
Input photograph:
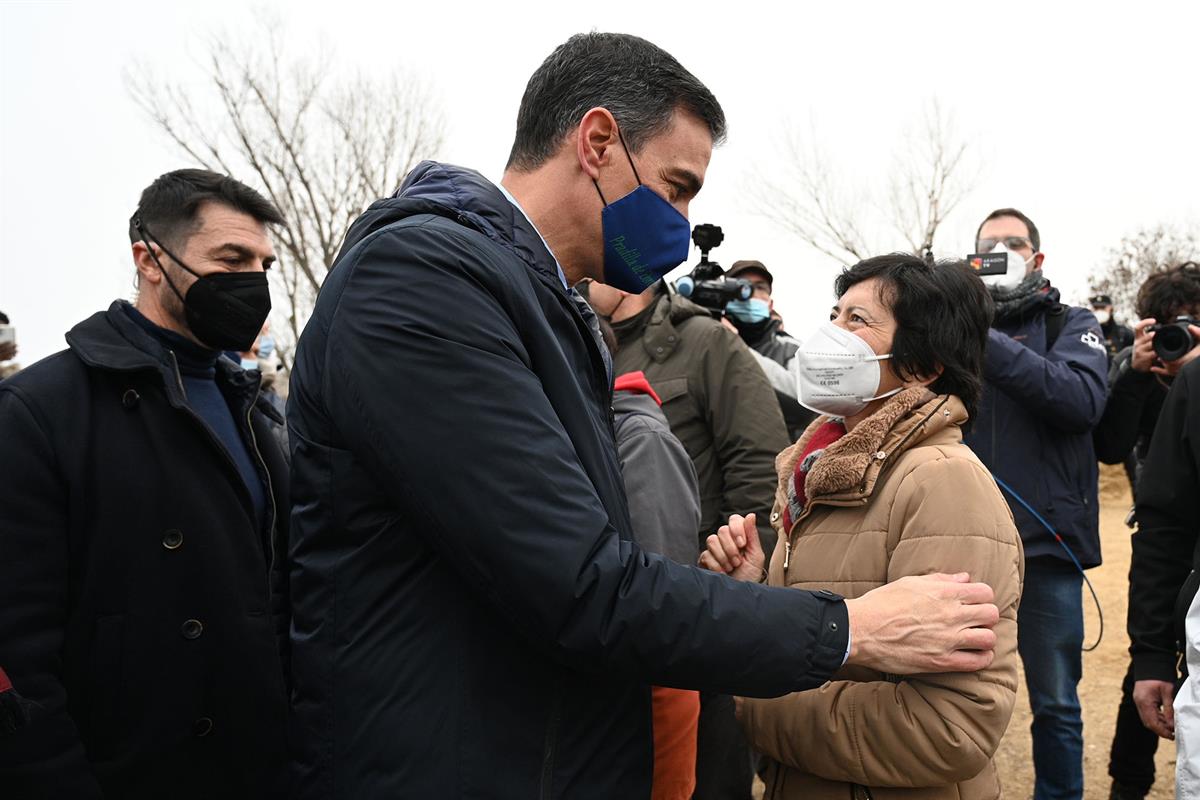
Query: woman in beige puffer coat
[866,498]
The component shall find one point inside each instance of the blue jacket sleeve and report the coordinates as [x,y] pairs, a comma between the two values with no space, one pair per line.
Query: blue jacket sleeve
[450,411]
[1067,386]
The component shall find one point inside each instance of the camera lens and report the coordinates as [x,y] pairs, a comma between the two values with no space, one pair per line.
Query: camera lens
[1172,342]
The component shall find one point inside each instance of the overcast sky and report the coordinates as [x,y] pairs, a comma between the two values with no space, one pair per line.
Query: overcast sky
[1087,120]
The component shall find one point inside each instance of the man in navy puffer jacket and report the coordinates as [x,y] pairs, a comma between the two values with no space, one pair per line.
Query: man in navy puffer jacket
[471,617]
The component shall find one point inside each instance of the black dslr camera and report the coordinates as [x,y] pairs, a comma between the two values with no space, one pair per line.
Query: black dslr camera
[1173,340]
[706,285]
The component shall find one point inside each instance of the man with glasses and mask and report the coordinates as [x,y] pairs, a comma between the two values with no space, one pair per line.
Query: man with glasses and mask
[1045,383]
[471,616]
[143,505]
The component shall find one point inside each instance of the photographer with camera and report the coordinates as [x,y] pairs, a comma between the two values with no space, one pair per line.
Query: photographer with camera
[1136,395]
[741,300]
[720,405]
[762,331]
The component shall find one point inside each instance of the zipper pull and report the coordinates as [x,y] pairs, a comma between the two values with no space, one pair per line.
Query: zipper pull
[787,552]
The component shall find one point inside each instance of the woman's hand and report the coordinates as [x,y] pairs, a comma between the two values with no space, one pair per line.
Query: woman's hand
[735,550]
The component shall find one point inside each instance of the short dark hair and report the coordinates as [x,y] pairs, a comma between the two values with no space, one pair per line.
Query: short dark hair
[1035,238]
[170,207]
[1170,292]
[943,313]
[641,84]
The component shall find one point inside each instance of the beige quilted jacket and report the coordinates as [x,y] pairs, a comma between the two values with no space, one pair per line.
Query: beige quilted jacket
[899,495]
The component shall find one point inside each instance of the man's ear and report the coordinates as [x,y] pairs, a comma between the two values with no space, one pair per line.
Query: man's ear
[147,269]
[1038,258]
[595,140]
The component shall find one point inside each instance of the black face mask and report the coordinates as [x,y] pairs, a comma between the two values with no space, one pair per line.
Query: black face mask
[225,310]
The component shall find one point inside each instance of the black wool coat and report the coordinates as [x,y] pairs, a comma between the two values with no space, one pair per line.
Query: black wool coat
[135,585]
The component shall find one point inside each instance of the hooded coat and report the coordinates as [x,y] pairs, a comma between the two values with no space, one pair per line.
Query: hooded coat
[898,495]
[471,617]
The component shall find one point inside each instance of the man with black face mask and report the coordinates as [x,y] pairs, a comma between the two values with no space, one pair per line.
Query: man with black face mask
[143,503]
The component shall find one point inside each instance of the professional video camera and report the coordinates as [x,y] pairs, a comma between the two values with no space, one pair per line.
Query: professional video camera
[705,285]
[1173,340]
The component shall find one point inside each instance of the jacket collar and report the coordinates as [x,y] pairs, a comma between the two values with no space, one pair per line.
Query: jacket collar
[849,468]
[662,336]
[110,340]
[468,198]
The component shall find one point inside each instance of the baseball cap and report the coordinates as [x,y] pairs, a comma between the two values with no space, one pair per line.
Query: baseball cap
[747,265]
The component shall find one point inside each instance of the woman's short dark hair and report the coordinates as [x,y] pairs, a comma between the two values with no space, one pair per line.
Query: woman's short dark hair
[1170,293]
[641,84]
[943,312]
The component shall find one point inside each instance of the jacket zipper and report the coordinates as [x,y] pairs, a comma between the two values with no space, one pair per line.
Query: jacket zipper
[270,490]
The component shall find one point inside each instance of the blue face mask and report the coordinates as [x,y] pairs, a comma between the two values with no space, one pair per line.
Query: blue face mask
[644,237]
[249,363]
[266,347]
[750,311]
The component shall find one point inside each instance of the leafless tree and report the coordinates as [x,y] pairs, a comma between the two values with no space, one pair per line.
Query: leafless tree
[931,175]
[321,148]
[1138,255]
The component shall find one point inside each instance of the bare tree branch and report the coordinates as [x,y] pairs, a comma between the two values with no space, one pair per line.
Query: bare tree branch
[319,147]
[929,180]
[1137,257]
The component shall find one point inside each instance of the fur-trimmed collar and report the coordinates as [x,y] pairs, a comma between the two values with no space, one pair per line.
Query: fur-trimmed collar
[849,468]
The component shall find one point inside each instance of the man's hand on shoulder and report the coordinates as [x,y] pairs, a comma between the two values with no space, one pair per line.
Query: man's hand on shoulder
[922,624]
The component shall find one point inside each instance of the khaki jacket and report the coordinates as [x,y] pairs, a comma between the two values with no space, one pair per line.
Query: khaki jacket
[899,495]
[718,403]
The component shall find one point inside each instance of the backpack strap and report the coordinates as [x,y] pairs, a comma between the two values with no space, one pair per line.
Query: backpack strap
[1056,319]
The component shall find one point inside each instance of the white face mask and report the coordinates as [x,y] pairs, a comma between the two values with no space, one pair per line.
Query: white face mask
[1103,315]
[1015,274]
[837,373]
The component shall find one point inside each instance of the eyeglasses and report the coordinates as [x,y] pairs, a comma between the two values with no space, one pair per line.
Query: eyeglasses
[1011,242]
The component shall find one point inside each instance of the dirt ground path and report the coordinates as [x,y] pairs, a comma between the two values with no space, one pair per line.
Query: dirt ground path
[1103,669]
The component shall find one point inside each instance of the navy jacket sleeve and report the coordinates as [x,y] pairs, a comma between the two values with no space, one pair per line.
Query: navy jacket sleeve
[46,755]
[1117,432]
[1067,386]
[1168,514]
[449,410]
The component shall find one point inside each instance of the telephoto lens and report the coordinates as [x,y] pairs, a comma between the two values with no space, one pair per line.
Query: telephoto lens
[1173,340]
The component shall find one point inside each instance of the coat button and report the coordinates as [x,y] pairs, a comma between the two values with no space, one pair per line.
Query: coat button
[774,516]
[658,350]
[202,726]
[192,629]
[833,626]
[671,338]
[173,539]
[130,398]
